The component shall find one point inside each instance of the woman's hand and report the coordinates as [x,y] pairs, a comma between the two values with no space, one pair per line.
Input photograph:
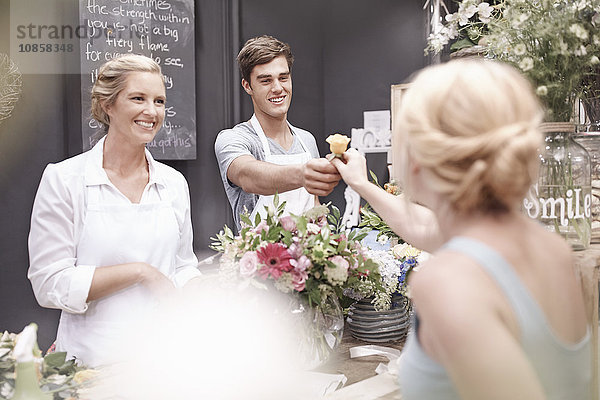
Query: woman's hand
[414,223]
[353,169]
[155,281]
[110,279]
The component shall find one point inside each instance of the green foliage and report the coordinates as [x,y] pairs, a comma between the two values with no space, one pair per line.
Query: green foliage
[370,220]
[57,372]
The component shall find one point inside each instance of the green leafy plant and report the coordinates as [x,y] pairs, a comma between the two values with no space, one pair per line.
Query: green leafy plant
[58,376]
[369,219]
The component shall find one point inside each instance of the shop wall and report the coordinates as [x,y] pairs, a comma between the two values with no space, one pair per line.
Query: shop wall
[348,53]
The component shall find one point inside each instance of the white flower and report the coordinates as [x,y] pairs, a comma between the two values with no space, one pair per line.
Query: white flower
[6,391]
[581,51]
[57,379]
[580,5]
[383,239]
[520,49]
[485,12]
[7,337]
[596,40]
[594,60]
[437,42]
[451,17]
[285,283]
[526,64]
[579,31]
[313,228]
[518,21]
[382,301]
[541,90]
[450,32]
[337,275]
[465,12]
[23,350]
[563,48]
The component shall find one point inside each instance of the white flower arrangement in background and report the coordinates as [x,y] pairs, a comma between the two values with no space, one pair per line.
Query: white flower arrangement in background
[467,25]
[555,43]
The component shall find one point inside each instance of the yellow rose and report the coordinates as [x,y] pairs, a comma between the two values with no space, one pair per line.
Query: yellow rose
[84,375]
[405,250]
[338,143]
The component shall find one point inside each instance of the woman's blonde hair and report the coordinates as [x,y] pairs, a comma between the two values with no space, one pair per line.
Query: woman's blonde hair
[112,78]
[474,125]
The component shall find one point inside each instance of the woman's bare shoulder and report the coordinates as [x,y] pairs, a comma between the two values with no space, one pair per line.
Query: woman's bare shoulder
[448,278]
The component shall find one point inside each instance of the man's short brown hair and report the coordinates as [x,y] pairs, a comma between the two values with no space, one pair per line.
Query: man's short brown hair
[261,50]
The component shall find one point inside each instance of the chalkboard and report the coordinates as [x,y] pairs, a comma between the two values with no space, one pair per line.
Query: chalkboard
[160,29]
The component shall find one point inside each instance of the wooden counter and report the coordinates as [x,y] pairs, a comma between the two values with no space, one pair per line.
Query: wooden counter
[587,263]
[363,382]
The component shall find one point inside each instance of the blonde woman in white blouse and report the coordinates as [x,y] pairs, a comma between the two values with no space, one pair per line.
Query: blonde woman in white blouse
[111,230]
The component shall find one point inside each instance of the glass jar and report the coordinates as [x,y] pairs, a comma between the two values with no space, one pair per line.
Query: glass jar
[562,196]
[320,329]
[588,135]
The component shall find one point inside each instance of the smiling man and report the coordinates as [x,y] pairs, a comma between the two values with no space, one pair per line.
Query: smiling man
[267,155]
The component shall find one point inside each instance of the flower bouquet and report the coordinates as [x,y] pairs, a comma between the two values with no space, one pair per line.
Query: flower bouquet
[310,257]
[383,314]
[394,266]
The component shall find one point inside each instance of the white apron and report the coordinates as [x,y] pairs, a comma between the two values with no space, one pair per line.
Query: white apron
[117,234]
[297,200]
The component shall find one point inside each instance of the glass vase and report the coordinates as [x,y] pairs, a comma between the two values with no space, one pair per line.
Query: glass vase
[320,328]
[562,196]
[588,135]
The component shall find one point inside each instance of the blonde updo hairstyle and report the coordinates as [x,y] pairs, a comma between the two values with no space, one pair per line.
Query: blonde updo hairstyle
[474,126]
[112,79]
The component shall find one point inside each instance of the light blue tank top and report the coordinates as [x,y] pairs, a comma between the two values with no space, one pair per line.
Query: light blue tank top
[564,369]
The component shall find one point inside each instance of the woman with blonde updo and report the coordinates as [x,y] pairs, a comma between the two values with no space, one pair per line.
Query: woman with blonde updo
[499,311]
[111,230]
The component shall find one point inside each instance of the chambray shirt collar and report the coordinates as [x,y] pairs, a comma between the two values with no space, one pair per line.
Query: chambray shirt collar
[96,175]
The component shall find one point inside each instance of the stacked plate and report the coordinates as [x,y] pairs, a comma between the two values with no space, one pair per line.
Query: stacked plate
[373,326]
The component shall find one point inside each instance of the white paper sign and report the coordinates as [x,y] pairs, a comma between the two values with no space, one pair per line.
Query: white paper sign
[377,120]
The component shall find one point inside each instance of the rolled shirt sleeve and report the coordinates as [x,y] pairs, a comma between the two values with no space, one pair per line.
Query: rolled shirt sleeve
[186,261]
[56,279]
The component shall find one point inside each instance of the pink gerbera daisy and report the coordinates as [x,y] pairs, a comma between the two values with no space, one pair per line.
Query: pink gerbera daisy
[274,259]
